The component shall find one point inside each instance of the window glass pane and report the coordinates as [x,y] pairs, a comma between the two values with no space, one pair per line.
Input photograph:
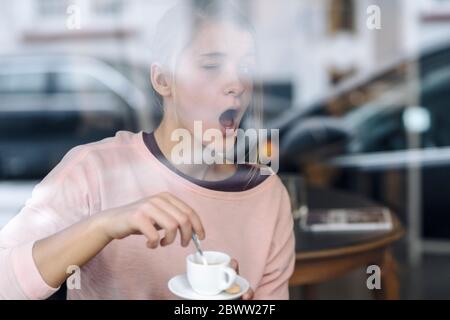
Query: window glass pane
[52,7]
[22,83]
[77,82]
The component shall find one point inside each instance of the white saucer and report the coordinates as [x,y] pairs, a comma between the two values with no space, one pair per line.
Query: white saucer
[180,287]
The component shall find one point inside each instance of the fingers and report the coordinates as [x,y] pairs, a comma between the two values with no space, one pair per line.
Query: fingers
[187,210]
[235,265]
[149,231]
[170,225]
[182,220]
[249,295]
[170,213]
[165,211]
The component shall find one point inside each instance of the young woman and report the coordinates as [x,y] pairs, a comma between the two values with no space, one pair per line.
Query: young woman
[105,200]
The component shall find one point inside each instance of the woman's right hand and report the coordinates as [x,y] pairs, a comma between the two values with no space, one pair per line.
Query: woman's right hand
[148,215]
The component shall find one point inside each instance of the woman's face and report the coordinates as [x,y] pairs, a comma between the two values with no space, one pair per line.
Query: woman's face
[214,78]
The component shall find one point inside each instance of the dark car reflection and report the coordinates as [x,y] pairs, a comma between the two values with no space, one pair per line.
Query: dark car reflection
[51,103]
[374,151]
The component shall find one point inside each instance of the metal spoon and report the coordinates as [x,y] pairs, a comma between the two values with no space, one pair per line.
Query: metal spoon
[199,250]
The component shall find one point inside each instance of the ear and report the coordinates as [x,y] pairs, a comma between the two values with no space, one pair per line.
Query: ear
[159,80]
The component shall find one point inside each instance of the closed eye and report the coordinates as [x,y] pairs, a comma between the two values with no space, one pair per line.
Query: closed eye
[210,66]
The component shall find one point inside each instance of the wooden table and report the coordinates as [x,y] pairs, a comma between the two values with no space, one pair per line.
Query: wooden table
[324,256]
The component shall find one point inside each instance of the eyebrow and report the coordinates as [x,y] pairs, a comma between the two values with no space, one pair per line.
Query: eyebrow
[217,54]
[213,54]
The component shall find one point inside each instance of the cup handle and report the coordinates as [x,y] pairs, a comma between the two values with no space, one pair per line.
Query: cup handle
[231,275]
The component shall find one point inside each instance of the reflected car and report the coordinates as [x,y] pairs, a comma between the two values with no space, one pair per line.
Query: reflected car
[52,103]
[403,106]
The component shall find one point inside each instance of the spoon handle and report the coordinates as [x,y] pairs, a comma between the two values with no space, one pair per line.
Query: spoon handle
[197,243]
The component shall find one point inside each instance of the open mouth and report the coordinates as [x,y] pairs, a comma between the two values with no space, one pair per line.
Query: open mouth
[228,119]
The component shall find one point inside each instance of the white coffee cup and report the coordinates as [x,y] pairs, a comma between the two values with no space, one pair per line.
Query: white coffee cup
[212,278]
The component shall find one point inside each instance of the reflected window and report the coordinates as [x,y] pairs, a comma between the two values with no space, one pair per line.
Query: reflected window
[108,7]
[341,16]
[52,7]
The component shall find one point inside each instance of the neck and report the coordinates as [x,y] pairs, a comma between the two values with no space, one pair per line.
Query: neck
[201,171]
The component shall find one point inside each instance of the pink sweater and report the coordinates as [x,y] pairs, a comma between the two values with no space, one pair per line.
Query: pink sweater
[254,226]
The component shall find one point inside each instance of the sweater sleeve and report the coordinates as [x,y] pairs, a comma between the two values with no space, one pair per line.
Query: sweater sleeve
[61,199]
[280,264]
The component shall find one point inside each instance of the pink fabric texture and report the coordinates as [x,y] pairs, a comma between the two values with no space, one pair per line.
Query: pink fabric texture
[254,226]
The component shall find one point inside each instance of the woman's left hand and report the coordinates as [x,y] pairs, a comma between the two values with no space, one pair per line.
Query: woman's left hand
[249,294]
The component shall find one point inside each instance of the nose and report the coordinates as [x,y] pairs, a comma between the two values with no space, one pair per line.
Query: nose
[234,85]
[235,91]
